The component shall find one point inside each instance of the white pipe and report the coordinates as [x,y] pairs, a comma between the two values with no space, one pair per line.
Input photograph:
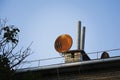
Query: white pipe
[82,43]
[79,35]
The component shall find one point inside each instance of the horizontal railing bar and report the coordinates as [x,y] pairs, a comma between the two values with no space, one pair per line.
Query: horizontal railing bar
[103,51]
[40,60]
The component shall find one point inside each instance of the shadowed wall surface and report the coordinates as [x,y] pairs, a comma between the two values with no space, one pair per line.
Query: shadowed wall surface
[102,69]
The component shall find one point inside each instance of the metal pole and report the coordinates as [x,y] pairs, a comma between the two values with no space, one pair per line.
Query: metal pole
[83,38]
[38,63]
[79,35]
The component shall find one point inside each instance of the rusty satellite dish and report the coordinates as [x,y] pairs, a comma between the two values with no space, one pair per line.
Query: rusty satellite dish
[63,43]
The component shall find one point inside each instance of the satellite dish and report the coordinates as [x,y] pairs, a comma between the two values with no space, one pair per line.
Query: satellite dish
[63,43]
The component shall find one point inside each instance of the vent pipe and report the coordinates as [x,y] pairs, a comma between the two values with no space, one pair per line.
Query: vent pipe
[82,43]
[79,35]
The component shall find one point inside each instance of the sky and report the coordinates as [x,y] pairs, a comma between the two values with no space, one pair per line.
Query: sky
[42,21]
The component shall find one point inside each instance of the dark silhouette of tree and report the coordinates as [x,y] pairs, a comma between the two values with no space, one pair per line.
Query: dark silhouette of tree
[105,55]
[9,59]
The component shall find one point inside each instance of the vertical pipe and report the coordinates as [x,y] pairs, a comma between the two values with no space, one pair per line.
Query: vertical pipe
[79,35]
[82,39]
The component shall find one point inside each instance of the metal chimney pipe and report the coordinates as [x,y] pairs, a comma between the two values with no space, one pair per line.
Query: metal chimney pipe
[82,39]
[79,35]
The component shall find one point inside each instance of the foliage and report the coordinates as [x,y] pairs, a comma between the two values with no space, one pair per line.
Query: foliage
[5,72]
[9,59]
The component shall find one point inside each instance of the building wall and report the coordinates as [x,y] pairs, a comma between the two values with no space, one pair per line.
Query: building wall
[105,69]
[109,74]
[102,74]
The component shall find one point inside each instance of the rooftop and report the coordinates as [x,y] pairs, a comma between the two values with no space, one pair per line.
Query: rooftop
[85,65]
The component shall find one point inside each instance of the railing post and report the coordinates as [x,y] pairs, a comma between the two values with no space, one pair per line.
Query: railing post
[38,63]
[97,55]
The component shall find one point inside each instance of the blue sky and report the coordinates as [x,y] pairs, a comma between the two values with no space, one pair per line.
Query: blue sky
[42,21]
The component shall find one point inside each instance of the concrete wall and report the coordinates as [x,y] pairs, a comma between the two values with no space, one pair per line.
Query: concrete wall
[87,75]
[101,74]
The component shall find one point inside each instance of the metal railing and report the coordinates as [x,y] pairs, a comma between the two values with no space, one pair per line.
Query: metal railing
[58,60]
